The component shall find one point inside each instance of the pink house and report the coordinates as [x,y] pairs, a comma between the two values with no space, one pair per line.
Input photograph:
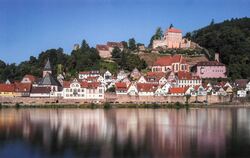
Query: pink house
[211,69]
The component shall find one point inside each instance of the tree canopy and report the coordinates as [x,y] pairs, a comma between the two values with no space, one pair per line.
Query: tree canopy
[231,39]
[85,58]
[157,36]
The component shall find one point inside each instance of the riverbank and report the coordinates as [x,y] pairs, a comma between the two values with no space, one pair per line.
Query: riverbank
[107,105]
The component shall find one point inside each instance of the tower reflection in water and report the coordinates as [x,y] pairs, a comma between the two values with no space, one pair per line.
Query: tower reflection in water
[127,132]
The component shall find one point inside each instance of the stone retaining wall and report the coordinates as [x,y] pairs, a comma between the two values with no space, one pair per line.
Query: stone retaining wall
[113,98]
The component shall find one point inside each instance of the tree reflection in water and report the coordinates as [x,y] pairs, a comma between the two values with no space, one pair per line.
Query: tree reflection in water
[125,133]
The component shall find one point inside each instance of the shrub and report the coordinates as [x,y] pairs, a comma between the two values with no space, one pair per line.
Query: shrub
[107,105]
[17,105]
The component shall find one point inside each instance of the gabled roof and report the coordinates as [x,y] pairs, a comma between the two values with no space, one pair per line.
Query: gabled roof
[135,70]
[121,86]
[146,87]
[30,77]
[7,87]
[47,66]
[48,79]
[156,74]
[186,76]
[177,90]
[169,60]
[90,85]
[22,87]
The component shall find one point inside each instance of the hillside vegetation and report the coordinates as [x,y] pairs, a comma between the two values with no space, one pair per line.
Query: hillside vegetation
[231,39]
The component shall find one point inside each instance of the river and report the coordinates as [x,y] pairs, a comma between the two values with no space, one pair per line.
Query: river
[118,133]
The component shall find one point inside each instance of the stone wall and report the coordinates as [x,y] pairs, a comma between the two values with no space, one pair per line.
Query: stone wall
[113,98]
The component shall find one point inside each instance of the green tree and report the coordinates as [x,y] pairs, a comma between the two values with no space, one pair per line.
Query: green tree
[116,53]
[158,35]
[132,44]
[232,39]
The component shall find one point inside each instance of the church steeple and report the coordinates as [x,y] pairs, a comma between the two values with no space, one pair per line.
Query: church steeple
[47,68]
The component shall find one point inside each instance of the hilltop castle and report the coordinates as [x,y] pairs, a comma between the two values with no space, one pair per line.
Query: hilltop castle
[172,39]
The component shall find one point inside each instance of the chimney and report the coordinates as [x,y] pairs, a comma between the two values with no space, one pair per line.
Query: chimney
[217,57]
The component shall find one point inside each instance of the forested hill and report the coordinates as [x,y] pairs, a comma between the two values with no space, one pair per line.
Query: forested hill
[232,39]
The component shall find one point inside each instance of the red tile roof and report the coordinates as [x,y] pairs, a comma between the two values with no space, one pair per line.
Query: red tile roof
[90,85]
[156,74]
[115,44]
[7,87]
[30,77]
[169,60]
[146,87]
[175,90]
[92,78]
[187,76]
[66,84]
[174,30]
[22,87]
[100,47]
[121,86]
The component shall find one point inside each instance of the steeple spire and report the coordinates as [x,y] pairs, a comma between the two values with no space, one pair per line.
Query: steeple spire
[47,68]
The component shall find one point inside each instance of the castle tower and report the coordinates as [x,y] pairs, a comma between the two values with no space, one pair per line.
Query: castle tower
[47,68]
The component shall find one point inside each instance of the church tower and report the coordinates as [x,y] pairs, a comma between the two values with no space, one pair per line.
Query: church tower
[47,68]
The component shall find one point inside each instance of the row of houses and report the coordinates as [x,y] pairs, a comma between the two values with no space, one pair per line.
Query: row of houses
[169,76]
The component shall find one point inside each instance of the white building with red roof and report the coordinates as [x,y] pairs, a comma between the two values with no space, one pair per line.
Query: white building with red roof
[185,79]
[146,89]
[172,39]
[121,88]
[83,90]
[169,63]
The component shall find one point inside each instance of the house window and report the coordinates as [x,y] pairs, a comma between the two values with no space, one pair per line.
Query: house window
[100,90]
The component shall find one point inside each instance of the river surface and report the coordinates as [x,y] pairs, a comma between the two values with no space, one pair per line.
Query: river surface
[118,133]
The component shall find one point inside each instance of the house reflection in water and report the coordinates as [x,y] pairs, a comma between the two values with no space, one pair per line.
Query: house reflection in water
[126,132]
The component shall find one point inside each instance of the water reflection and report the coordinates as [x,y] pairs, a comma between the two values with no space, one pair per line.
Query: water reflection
[125,132]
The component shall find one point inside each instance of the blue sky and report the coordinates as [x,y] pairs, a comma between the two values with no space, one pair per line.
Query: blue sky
[28,27]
